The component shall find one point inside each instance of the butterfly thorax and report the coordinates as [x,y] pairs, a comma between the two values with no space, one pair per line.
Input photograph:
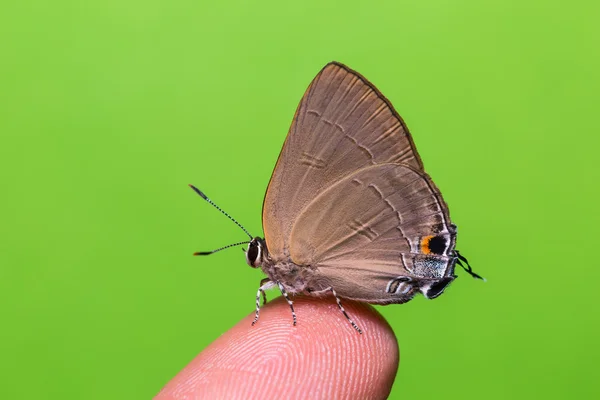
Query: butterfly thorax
[295,278]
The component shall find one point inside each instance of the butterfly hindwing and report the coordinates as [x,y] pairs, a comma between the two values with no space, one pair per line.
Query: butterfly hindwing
[372,228]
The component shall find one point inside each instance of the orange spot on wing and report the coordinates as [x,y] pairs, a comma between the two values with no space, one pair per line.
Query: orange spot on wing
[425,244]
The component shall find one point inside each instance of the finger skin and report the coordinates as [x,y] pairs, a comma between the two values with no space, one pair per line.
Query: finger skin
[322,357]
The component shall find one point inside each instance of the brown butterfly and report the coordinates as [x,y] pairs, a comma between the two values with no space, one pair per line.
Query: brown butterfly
[349,210]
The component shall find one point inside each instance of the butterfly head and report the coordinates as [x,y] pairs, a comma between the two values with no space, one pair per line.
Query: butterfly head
[256,252]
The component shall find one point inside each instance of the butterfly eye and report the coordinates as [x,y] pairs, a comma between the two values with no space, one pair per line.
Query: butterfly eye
[254,254]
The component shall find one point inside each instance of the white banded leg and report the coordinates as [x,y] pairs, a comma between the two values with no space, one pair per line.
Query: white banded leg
[265,284]
[341,307]
[291,303]
[264,294]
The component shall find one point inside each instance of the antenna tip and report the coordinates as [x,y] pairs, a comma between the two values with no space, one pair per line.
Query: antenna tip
[198,191]
[202,253]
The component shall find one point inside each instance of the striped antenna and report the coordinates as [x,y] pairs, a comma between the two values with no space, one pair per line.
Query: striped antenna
[207,253]
[222,212]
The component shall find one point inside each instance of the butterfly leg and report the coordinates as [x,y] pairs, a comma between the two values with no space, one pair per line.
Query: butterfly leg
[265,284]
[341,307]
[264,294]
[290,302]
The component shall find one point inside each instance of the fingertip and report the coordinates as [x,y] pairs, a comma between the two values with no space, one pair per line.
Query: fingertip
[321,357]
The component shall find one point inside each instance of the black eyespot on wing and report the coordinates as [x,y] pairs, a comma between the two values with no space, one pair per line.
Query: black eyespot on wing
[438,244]
[437,288]
[252,253]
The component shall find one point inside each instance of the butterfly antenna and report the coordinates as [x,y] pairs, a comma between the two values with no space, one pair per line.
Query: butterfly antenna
[460,259]
[222,212]
[206,253]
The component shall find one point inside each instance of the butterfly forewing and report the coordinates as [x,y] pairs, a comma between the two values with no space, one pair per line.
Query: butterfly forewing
[342,124]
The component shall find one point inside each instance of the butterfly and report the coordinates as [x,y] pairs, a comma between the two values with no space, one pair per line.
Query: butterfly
[349,210]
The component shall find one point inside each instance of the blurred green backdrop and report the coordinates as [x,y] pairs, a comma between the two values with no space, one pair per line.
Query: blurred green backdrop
[108,109]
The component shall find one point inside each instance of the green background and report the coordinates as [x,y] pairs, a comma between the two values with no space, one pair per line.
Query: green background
[108,109]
